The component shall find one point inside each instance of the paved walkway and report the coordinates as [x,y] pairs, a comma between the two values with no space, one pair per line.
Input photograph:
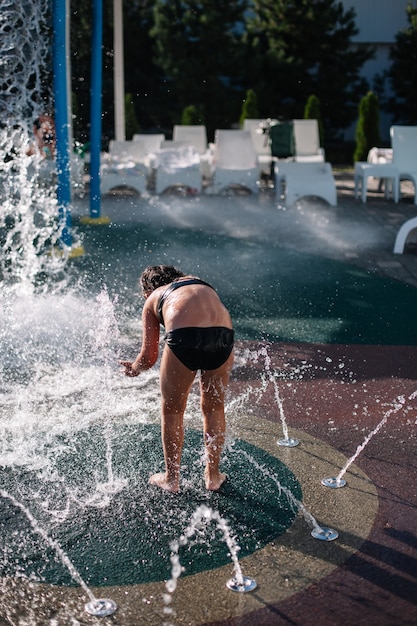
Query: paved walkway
[335,399]
[386,217]
[344,395]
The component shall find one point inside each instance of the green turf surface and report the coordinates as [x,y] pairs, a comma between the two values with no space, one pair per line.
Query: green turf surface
[273,292]
[125,539]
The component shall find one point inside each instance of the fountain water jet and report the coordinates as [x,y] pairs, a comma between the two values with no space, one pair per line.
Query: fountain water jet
[323,533]
[335,482]
[204,514]
[286,441]
[100,607]
[107,332]
[29,223]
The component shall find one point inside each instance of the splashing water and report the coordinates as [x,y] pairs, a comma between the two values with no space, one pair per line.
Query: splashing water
[96,606]
[395,409]
[299,506]
[58,377]
[105,336]
[269,376]
[29,227]
[338,481]
[323,533]
[203,515]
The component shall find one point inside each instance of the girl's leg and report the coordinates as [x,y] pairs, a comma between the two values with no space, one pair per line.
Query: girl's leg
[213,386]
[176,381]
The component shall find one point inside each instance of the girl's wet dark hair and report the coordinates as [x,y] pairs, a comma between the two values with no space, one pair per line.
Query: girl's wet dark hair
[155,276]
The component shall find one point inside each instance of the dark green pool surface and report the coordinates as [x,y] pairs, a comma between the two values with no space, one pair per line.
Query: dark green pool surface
[273,292]
[126,540]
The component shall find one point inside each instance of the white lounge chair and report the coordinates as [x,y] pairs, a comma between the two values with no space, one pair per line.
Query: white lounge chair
[404,154]
[379,155]
[150,142]
[403,234]
[235,160]
[177,167]
[260,138]
[307,141]
[196,136]
[386,172]
[127,165]
[298,180]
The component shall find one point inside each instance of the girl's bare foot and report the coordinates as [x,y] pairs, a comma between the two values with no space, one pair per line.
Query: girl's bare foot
[160,480]
[214,483]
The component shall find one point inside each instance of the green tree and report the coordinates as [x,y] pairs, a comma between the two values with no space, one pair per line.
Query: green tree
[402,73]
[197,45]
[249,107]
[299,47]
[192,116]
[81,29]
[367,129]
[143,78]
[312,112]
[131,121]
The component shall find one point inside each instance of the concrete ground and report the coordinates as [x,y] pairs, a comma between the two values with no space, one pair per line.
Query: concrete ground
[336,397]
[378,583]
[386,218]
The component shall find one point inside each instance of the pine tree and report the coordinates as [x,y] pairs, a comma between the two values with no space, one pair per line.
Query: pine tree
[131,122]
[192,116]
[249,107]
[403,72]
[367,129]
[312,112]
[300,47]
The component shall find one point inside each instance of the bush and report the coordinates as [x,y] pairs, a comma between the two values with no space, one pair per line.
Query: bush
[249,107]
[192,116]
[367,130]
[131,121]
[312,112]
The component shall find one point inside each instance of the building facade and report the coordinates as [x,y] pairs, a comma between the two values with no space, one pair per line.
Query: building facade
[378,22]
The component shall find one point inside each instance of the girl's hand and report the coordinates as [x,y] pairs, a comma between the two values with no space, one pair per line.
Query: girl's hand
[129,369]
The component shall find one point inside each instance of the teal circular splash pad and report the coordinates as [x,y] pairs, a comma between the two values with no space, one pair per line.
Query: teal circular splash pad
[277,294]
[124,539]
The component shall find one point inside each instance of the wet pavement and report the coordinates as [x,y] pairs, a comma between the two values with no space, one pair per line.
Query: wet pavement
[377,584]
[334,397]
[386,218]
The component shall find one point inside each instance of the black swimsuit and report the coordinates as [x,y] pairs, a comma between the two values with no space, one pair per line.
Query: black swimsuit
[172,287]
[197,348]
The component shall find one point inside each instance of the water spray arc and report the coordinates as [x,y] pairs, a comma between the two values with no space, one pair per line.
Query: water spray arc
[99,607]
[204,515]
[335,482]
[269,375]
[323,533]
[61,96]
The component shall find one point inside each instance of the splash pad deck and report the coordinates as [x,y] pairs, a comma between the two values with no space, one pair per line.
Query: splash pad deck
[285,566]
[332,397]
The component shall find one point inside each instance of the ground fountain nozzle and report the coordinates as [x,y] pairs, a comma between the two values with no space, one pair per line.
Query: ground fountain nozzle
[334,482]
[241,586]
[101,607]
[324,533]
[288,442]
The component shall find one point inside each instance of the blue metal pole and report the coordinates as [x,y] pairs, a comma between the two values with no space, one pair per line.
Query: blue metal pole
[61,120]
[95,95]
